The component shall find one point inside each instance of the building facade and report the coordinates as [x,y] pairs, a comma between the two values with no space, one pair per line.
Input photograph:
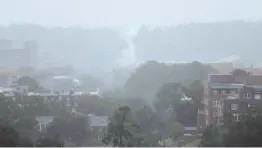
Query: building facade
[15,58]
[7,78]
[228,97]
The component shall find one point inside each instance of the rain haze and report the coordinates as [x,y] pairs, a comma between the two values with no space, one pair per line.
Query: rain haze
[126,13]
[130,73]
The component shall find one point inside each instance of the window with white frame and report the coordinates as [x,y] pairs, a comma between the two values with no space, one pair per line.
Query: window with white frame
[236,117]
[234,106]
[251,106]
[233,92]
[215,91]
[216,103]
[224,91]
[247,95]
[258,96]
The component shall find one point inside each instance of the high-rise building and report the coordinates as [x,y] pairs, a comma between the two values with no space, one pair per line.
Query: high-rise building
[15,58]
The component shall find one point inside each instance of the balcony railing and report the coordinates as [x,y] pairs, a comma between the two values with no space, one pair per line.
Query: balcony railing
[226,96]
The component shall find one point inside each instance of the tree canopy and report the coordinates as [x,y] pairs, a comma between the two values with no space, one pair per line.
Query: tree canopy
[243,133]
[28,81]
[149,77]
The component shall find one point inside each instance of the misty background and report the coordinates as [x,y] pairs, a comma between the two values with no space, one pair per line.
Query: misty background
[108,39]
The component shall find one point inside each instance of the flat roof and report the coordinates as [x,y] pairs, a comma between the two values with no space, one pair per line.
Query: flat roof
[7,71]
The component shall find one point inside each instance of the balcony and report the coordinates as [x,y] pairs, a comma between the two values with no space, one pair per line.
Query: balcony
[226,96]
[232,97]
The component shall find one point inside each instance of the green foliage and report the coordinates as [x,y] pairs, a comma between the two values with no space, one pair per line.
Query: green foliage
[176,130]
[121,129]
[197,40]
[151,76]
[213,137]
[244,133]
[90,83]
[169,95]
[8,136]
[49,142]
[28,81]
[240,72]
[70,127]
[106,106]
[195,91]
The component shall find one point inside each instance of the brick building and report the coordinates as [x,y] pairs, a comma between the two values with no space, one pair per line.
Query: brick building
[228,96]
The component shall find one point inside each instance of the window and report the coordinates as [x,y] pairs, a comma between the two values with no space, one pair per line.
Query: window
[216,103]
[215,91]
[252,106]
[214,114]
[257,96]
[234,106]
[247,95]
[236,117]
[233,92]
[206,112]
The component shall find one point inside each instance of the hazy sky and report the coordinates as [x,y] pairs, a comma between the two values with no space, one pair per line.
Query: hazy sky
[126,12]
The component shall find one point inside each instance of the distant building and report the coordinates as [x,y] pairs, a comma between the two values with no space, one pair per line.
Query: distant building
[98,124]
[252,71]
[222,68]
[43,122]
[228,97]
[7,77]
[19,57]
[6,44]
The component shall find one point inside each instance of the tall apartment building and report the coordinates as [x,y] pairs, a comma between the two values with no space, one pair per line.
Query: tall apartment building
[14,58]
[228,96]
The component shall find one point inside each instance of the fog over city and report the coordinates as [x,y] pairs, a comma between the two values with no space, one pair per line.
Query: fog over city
[130,73]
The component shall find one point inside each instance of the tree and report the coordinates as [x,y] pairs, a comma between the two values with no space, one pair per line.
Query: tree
[244,133]
[213,137]
[28,81]
[169,95]
[49,142]
[149,77]
[240,72]
[195,91]
[8,137]
[176,130]
[90,83]
[120,129]
[70,127]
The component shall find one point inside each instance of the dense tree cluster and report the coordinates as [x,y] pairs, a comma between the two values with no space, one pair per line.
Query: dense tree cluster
[149,77]
[243,133]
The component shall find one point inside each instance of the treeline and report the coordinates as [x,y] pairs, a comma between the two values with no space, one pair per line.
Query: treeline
[149,77]
[179,43]
[243,133]
[205,41]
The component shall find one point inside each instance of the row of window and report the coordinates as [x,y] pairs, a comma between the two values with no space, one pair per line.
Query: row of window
[228,92]
[217,103]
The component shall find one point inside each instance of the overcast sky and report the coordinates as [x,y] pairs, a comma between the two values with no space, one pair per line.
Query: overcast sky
[126,12]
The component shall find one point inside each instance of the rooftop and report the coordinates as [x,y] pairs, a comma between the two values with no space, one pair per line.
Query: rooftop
[247,80]
[44,119]
[98,120]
